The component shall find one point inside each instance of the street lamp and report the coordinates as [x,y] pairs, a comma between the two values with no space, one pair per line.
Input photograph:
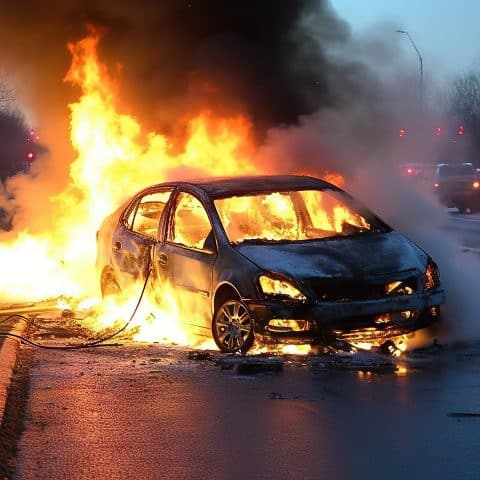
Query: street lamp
[419,58]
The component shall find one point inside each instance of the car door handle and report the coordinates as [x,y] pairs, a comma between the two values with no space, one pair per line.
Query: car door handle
[163,259]
[117,246]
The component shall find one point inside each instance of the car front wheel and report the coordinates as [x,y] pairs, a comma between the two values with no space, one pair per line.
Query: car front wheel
[232,327]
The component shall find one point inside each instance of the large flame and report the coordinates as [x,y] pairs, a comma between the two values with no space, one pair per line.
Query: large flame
[113,162]
[115,158]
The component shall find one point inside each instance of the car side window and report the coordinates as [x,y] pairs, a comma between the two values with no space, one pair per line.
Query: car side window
[145,217]
[191,225]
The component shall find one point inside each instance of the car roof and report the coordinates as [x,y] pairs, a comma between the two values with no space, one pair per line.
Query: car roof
[465,164]
[234,185]
[226,186]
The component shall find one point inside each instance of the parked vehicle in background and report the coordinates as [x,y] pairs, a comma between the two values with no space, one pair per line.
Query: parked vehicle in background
[458,185]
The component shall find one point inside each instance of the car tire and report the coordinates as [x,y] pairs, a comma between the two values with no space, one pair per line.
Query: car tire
[232,327]
[108,283]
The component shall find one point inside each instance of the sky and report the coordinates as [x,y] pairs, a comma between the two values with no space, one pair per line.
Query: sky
[446,32]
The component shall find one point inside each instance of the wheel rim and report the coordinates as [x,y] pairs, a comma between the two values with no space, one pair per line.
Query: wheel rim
[232,326]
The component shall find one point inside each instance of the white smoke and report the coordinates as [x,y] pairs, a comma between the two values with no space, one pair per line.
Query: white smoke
[324,142]
[417,215]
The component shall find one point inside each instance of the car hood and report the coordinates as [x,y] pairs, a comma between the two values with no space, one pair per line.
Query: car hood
[356,257]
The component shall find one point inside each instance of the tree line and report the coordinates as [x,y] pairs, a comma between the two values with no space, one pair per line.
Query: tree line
[463,106]
[16,142]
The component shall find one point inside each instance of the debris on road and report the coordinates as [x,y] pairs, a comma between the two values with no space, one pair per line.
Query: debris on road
[464,414]
[250,365]
[357,362]
[199,355]
[283,396]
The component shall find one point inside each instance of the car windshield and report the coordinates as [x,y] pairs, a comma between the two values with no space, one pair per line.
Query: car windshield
[293,216]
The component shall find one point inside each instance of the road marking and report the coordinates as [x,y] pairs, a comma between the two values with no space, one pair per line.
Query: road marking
[468,219]
[471,249]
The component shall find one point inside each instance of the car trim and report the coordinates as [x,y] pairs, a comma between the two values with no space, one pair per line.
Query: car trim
[329,311]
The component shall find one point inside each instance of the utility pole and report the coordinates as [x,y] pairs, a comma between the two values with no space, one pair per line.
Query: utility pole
[421,63]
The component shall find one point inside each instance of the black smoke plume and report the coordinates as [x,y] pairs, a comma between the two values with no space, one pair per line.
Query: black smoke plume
[269,59]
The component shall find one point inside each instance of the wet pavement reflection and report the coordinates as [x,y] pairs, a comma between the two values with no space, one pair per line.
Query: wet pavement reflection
[153,411]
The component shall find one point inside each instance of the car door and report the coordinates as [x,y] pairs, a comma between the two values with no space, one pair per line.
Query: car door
[132,242]
[187,257]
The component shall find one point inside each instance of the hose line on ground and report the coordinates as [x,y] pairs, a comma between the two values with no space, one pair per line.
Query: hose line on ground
[93,343]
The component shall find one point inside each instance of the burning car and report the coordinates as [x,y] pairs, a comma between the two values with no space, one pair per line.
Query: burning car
[280,259]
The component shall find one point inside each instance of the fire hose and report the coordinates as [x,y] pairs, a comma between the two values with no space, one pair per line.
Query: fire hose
[94,343]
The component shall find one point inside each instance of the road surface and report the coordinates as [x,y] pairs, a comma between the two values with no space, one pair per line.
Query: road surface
[150,412]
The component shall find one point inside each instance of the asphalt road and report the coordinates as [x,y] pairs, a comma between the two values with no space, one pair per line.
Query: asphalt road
[468,229]
[151,412]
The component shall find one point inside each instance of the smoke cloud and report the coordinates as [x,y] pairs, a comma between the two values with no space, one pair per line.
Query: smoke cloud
[272,59]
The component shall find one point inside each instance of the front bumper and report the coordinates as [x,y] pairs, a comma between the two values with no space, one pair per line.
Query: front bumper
[376,318]
[454,197]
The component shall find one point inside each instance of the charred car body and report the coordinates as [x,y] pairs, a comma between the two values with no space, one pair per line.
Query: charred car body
[278,258]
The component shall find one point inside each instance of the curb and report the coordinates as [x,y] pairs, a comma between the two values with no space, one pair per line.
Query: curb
[8,356]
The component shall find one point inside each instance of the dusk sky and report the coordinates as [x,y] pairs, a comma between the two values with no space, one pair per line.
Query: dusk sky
[446,32]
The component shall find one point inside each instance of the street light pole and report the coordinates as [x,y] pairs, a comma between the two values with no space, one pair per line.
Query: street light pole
[421,62]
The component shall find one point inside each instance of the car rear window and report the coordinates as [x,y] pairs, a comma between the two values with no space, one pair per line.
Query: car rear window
[456,170]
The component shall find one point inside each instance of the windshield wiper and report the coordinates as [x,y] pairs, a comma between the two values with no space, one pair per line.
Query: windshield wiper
[261,241]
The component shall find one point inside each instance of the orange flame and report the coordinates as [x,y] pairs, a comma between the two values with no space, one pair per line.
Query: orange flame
[112,163]
[334,178]
[114,160]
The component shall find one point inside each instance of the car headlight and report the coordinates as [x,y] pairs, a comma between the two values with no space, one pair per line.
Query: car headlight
[432,276]
[279,286]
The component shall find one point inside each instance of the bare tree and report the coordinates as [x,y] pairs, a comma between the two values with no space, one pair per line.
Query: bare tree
[463,105]
[7,95]
[15,143]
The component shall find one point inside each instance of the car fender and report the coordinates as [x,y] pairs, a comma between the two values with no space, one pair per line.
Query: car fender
[236,271]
